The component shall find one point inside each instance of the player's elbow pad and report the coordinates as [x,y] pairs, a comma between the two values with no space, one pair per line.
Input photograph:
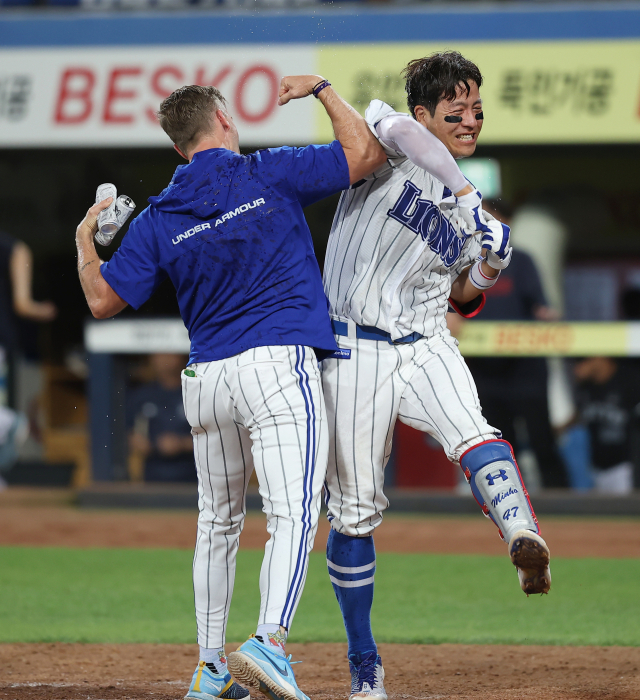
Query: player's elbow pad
[471,308]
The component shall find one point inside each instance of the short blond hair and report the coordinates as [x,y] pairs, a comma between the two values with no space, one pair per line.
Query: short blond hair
[187,114]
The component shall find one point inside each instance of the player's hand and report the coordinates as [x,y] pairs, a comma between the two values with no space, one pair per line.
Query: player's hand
[293,87]
[89,225]
[496,242]
[469,212]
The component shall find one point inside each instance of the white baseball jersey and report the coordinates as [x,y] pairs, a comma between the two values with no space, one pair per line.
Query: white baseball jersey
[392,254]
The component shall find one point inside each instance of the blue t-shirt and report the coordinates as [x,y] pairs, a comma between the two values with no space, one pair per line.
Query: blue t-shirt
[230,233]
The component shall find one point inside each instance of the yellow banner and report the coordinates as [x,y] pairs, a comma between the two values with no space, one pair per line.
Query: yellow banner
[533,92]
[535,339]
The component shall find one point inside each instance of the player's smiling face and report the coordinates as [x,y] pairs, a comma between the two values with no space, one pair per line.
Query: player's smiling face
[459,138]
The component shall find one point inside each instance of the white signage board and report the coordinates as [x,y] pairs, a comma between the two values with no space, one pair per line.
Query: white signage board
[137,336]
[108,96]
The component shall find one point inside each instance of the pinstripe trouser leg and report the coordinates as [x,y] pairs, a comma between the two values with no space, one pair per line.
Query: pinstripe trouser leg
[362,395]
[262,408]
[439,397]
[425,384]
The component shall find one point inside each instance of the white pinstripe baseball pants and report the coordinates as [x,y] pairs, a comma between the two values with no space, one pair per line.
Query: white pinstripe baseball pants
[261,409]
[425,384]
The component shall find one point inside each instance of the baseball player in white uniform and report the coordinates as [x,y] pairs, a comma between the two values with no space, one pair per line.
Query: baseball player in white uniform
[405,243]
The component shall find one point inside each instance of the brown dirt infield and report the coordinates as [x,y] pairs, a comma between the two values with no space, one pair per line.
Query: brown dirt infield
[47,518]
[414,672]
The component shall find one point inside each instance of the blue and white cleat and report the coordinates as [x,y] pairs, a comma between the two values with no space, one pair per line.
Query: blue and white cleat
[367,676]
[257,666]
[207,685]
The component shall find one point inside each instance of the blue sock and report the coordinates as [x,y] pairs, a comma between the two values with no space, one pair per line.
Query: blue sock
[352,562]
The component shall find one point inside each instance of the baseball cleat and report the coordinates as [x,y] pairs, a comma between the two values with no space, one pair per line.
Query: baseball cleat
[530,555]
[207,685]
[257,666]
[367,676]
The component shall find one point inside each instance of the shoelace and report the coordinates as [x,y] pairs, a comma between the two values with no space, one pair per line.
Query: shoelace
[364,673]
[253,636]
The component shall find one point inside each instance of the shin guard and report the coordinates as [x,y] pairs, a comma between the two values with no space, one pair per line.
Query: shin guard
[494,477]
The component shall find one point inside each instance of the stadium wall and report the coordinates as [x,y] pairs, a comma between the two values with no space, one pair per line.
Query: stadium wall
[554,75]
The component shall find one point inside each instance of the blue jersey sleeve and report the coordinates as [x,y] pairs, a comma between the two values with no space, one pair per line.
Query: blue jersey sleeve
[134,271]
[313,172]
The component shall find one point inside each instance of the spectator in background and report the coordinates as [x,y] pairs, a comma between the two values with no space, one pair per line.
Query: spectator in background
[16,300]
[512,388]
[159,428]
[608,396]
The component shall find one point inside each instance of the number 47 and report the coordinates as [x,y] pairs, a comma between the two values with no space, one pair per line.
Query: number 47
[510,512]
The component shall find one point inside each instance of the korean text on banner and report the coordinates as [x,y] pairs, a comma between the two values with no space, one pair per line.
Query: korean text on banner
[533,92]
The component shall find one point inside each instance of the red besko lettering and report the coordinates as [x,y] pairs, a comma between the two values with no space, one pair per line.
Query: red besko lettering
[74,104]
[272,98]
[159,87]
[115,93]
[252,94]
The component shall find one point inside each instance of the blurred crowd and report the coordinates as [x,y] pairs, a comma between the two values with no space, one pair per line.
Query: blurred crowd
[573,423]
[160,443]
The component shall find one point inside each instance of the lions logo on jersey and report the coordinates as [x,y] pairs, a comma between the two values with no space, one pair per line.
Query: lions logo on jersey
[424,218]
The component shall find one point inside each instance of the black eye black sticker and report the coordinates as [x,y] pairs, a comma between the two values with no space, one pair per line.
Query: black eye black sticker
[456,120]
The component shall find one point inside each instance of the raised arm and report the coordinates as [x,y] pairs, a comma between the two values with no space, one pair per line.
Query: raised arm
[362,150]
[404,134]
[101,298]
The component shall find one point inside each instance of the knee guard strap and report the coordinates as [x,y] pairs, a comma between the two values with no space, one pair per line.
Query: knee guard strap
[494,477]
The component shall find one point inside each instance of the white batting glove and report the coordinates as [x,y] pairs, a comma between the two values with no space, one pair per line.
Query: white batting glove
[496,242]
[468,211]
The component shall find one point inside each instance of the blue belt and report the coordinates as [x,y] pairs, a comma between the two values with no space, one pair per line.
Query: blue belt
[371,333]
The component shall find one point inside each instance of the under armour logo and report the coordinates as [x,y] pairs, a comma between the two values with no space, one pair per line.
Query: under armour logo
[502,474]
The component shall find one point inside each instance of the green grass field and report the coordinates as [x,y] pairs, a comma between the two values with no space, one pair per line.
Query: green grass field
[118,595]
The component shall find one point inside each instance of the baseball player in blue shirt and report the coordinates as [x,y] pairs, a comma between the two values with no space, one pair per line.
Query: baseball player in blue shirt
[230,233]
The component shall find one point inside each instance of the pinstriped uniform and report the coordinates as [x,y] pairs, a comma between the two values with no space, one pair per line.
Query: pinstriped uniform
[391,260]
[385,273]
[260,409]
